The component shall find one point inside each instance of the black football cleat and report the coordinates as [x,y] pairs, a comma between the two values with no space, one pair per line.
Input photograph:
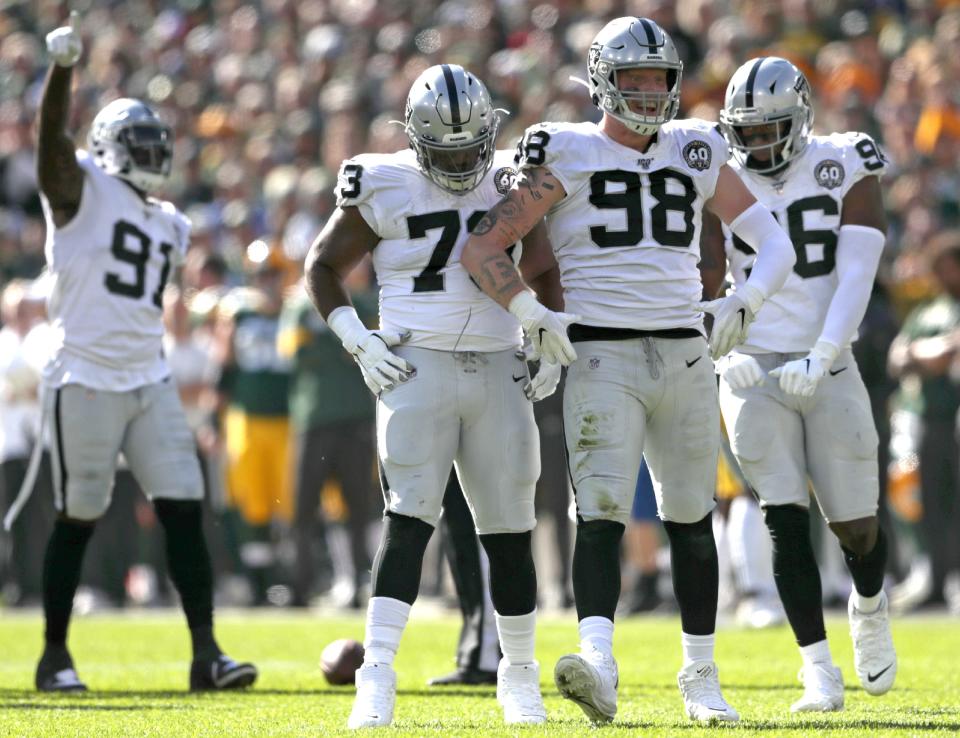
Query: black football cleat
[221,672]
[464,675]
[55,672]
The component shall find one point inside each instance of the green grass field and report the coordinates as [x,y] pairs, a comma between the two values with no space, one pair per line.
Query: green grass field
[136,666]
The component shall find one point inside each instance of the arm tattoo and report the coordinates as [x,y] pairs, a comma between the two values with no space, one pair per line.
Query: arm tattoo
[532,181]
[486,224]
[503,217]
[498,276]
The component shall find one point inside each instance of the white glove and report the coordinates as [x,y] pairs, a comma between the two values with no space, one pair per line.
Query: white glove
[382,369]
[741,371]
[802,376]
[547,329]
[64,44]
[544,382]
[732,315]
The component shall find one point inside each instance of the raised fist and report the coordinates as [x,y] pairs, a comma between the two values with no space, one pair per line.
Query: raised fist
[64,44]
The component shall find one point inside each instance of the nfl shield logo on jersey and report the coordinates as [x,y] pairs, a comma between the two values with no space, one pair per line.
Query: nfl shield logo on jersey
[697,155]
[829,173]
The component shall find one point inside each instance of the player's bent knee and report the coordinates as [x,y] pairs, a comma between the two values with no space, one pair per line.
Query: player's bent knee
[696,539]
[787,523]
[86,505]
[397,566]
[858,536]
[513,578]
[599,531]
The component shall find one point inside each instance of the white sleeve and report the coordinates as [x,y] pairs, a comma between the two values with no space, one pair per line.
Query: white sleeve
[775,253]
[354,188]
[858,254]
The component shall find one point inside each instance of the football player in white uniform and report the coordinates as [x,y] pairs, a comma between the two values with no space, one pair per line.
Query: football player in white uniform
[111,249]
[623,201]
[791,394]
[448,368]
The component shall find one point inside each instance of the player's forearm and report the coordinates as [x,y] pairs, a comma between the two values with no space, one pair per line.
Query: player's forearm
[713,258]
[858,256]
[485,258]
[548,288]
[324,286]
[58,174]
[775,253]
[495,273]
[54,115]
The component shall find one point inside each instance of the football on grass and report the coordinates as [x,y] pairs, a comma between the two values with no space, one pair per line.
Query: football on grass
[340,661]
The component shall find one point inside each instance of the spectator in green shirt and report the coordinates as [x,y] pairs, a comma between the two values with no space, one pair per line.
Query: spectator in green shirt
[921,357]
[332,420]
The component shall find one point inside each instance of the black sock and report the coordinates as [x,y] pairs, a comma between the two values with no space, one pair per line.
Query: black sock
[399,560]
[513,578]
[696,574]
[596,568]
[189,566]
[61,575]
[795,571]
[867,570]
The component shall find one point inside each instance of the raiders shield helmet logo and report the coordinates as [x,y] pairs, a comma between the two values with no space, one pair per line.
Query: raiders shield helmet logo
[829,173]
[503,179]
[697,155]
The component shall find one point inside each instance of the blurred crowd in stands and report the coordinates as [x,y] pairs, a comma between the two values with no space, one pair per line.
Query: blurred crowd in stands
[267,98]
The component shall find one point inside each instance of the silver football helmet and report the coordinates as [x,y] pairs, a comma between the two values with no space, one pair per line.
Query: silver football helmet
[631,43]
[129,141]
[767,91]
[452,126]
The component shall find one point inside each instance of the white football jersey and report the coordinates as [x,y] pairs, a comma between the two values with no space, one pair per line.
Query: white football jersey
[110,265]
[627,235]
[807,200]
[423,229]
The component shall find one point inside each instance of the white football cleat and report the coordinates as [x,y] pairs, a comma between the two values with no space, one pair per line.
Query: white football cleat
[518,692]
[873,654]
[822,689]
[376,696]
[590,679]
[700,686]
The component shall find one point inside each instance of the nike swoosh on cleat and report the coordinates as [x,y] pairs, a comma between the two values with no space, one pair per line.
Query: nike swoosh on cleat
[873,677]
[691,363]
[835,373]
[517,379]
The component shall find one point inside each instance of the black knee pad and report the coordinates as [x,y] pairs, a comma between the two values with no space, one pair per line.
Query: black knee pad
[599,532]
[513,578]
[787,523]
[399,560]
[169,510]
[694,539]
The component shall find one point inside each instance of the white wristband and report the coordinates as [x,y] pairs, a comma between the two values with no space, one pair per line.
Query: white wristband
[526,307]
[826,352]
[751,296]
[345,322]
